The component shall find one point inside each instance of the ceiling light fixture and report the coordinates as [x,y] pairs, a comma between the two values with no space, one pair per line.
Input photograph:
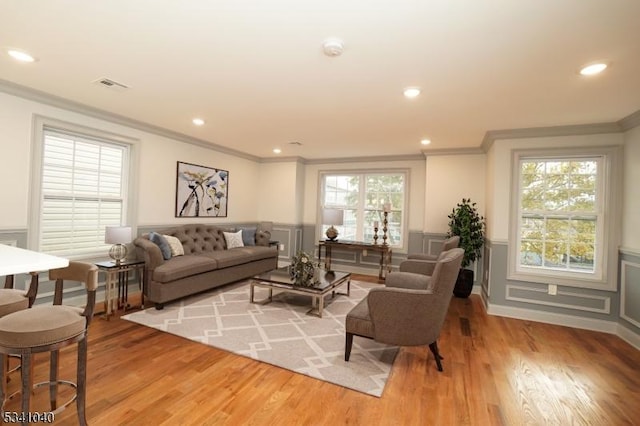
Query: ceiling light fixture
[593,69]
[277,150]
[411,92]
[333,47]
[198,121]
[20,55]
[425,141]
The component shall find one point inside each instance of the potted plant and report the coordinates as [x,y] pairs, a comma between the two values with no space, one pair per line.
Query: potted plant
[466,222]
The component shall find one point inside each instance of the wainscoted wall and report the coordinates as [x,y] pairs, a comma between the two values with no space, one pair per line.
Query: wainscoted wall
[356,262]
[612,312]
[630,296]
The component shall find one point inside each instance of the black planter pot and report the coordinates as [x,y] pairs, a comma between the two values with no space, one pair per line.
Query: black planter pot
[464,283]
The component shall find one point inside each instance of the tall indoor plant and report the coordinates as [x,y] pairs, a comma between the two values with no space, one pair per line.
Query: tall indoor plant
[468,224]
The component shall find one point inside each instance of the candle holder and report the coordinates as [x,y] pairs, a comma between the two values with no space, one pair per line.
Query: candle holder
[375,235]
[384,229]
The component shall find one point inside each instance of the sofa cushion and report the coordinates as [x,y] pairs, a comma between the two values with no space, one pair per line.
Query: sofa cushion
[183,266]
[249,236]
[198,238]
[161,242]
[175,245]
[233,239]
[240,255]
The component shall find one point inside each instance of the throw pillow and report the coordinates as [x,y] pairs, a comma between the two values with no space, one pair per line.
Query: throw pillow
[161,242]
[175,245]
[234,239]
[248,236]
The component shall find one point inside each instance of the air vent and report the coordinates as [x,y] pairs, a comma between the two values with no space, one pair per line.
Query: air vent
[110,84]
[295,143]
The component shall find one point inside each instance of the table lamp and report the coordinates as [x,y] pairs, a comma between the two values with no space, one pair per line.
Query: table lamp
[332,217]
[118,236]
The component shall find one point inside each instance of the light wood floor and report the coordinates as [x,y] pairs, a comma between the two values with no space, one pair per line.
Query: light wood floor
[497,371]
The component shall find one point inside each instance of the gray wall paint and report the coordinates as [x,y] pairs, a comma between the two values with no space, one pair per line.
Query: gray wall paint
[622,306]
[527,295]
[630,292]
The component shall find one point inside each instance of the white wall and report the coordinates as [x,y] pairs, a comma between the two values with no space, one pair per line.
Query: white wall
[449,179]
[631,193]
[277,190]
[157,157]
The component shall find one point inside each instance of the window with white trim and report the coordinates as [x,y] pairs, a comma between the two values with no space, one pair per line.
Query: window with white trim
[563,218]
[362,197]
[83,189]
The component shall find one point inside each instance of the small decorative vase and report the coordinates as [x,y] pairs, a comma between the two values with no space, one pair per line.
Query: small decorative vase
[332,233]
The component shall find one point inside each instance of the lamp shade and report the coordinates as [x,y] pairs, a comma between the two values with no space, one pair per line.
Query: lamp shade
[333,216]
[117,234]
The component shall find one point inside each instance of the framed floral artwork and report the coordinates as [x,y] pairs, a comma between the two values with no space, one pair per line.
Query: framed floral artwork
[201,191]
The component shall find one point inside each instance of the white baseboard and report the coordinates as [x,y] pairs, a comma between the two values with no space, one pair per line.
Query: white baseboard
[552,318]
[629,336]
[565,320]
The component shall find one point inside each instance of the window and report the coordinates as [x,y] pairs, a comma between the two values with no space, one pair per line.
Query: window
[362,197]
[82,190]
[561,227]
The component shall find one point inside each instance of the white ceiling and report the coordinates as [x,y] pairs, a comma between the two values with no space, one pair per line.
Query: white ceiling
[255,71]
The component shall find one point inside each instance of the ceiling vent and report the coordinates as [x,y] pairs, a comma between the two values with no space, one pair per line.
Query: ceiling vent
[111,84]
[295,143]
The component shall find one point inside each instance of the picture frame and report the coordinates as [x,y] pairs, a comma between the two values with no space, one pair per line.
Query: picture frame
[201,191]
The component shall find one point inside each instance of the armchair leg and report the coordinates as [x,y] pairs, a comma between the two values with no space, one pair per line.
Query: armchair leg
[436,354]
[347,346]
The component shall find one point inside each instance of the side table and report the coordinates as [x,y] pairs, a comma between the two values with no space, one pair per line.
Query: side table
[120,272]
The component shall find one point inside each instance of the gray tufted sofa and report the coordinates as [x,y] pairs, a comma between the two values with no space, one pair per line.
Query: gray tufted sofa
[206,264]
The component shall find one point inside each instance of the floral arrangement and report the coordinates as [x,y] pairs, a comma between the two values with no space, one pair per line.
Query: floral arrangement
[302,270]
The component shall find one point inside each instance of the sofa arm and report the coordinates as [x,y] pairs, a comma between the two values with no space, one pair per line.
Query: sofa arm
[263,238]
[149,252]
[424,267]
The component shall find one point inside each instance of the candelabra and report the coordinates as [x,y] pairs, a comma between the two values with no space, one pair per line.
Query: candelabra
[375,234]
[384,229]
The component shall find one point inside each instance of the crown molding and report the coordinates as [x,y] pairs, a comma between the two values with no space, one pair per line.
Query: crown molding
[294,159]
[539,132]
[383,158]
[452,151]
[630,121]
[77,107]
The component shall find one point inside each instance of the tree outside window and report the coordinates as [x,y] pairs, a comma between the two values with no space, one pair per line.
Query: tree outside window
[362,196]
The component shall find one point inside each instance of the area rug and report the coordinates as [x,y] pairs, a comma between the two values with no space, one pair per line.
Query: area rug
[280,333]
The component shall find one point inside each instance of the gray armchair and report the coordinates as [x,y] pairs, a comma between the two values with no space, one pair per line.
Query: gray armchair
[409,310]
[421,263]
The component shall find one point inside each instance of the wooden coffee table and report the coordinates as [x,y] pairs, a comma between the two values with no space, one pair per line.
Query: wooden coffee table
[328,281]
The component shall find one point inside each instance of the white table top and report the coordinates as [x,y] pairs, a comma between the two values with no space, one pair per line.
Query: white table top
[14,260]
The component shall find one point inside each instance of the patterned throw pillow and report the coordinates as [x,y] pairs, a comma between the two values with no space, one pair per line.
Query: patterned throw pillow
[234,239]
[161,242]
[175,245]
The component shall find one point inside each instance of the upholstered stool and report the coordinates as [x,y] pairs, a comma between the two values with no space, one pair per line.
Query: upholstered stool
[12,300]
[48,329]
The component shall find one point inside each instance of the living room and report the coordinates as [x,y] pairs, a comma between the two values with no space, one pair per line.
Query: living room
[284,188]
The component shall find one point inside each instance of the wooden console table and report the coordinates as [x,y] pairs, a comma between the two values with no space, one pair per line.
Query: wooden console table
[383,249]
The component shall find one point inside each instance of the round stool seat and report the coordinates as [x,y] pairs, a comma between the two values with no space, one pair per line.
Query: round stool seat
[12,301]
[41,326]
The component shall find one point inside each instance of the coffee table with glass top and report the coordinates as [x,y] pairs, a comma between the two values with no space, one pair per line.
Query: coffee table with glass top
[328,281]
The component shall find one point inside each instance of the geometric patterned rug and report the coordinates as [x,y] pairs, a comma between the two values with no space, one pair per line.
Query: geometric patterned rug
[280,333]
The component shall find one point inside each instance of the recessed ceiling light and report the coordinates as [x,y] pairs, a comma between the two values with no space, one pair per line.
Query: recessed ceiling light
[277,150]
[198,121]
[333,47]
[411,92]
[20,55]
[425,141]
[593,69]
